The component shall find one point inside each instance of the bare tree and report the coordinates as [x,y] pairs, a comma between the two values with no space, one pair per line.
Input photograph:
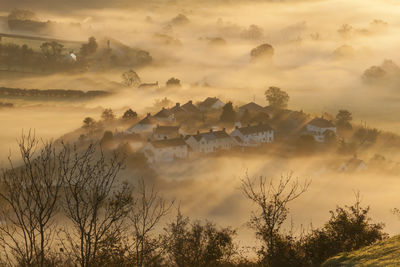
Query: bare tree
[29,194]
[148,209]
[93,203]
[272,201]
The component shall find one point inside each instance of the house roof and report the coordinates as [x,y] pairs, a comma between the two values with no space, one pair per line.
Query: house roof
[208,102]
[166,129]
[260,128]
[168,143]
[252,107]
[321,122]
[238,139]
[147,120]
[189,107]
[177,109]
[163,113]
[212,135]
[269,109]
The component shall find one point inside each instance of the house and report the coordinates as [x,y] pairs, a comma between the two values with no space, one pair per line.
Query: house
[166,132]
[190,108]
[289,123]
[209,142]
[146,125]
[353,165]
[149,86]
[177,110]
[253,135]
[251,107]
[164,115]
[166,150]
[210,103]
[319,128]
[70,57]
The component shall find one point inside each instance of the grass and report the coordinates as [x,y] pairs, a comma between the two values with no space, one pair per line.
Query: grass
[35,44]
[382,254]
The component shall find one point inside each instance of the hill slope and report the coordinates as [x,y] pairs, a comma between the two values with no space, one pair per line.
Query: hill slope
[385,253]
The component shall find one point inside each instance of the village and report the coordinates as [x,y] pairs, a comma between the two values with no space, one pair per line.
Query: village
[199,129]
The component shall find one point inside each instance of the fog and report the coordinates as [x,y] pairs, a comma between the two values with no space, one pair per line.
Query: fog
[304,35]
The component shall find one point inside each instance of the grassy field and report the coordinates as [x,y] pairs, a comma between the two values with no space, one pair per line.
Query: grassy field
[382,254]
[36,42]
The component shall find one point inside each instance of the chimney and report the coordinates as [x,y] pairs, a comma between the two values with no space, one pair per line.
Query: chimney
[211,130]
[177,104]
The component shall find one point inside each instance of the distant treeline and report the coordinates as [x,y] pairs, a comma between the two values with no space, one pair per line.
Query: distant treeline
[50,93]
[6,105]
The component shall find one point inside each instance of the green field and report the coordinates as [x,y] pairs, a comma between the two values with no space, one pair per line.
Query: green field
[382,254]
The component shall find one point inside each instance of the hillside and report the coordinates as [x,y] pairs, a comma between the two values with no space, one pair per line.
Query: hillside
[385,253]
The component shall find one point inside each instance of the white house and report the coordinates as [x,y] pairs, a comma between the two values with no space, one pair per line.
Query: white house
[166,132]
[319,128]
[164,115]
[146,125]
[253,135]
[209,142]
[166,150]
[210,103]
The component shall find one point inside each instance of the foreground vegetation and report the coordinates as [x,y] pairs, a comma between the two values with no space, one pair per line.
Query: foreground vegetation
[67,205]
[382,254]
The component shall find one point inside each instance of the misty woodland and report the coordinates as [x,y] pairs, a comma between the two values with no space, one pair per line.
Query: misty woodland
[199,133]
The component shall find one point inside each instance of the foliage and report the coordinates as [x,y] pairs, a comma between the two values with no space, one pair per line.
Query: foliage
[162,103]
[30,196]
[129,115]
[94,206]
[89,48]
[277,98]
[196,244]
[367,136]
[272,210]
[107,138]
[50,93]
[148,209]
[374,74]
[107,115]
[228,113]
[264,51]
[348,229]
[254,32]
[173,82]
[306,144]
[130,78]
[343,119]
